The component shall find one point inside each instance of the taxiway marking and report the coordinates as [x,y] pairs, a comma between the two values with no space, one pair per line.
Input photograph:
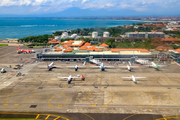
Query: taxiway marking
[5,103]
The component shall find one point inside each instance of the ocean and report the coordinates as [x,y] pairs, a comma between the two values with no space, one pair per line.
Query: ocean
[19,28]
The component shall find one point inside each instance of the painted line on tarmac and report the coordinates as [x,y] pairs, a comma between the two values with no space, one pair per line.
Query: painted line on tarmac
[62,107]
[5,101]
[144,92]
[169,94]
[37,115]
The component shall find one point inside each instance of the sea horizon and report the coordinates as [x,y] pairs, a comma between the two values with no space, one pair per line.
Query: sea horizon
[19,28]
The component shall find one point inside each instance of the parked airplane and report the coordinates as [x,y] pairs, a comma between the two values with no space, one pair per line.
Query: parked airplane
[50,66]
[141,61]
[129,67]
[102,67]
[156,66]
[70,78]
[76,67]
[24,51]
[134,78]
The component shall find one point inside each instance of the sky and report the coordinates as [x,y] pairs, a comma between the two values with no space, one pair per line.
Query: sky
[135,7]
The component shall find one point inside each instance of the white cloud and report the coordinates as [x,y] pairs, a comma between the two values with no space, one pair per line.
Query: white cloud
[84,1]
[109,4]
[59,5]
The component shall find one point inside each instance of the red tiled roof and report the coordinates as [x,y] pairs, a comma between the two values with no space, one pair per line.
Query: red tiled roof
[58,49]
[67,50]
[104,45]
[91,48]
[98,50]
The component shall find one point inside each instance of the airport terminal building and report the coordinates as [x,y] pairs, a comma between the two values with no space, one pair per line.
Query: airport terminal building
[78,50]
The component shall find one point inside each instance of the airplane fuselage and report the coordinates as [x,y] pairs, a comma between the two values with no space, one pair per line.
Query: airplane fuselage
[76,68]
[134,79]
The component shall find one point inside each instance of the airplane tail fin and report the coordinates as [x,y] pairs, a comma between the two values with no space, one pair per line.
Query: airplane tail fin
[17,48]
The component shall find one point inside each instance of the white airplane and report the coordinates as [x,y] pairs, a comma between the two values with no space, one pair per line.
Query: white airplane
[69,79]
[134,78]
[76,67]
[156,66]
[128,67]
[102,67]
[50,66]
[141,61]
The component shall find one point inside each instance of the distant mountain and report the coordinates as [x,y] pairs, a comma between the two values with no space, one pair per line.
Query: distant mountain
[77,12]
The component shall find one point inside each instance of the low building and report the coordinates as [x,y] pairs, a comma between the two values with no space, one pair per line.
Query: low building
[71,43]
[145,34]
[175,53]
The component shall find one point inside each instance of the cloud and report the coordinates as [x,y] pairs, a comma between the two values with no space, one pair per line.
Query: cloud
[84,1]
[59,5]
[109,4]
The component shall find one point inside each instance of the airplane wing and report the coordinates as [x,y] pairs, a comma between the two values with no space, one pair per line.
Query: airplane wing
[134,66]
[70,66]
[42,66]
[123,66]
[162,65]
[140,77]
[147,65]
[126,77]
[57,66]
[63,77]
[94,66]
[75,77]
[109,66]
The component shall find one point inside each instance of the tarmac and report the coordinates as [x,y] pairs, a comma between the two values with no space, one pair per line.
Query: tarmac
[103,95]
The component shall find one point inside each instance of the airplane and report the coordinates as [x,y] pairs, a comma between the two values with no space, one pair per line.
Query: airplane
[50,66]
[24,51]
[128,67]
[102,67]
[70,78]
[76,67]
[156,66]
[134,78]
[141,61]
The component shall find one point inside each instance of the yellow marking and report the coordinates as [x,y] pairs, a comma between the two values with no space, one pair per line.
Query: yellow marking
[139,106]
[110,100]
[94,105]
[57,118]
[30,97]
[167,118]
[6,104]
[105,105]
[172,98]
[150,106]
[37,116]
[86,115]
[88,97]
[35,82]
[130,116]
[47,117]
[16,104]
[10,95]
[20,90]
[34,114]
[64,88]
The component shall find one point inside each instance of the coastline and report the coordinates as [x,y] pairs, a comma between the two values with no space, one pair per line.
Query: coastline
[27,28]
